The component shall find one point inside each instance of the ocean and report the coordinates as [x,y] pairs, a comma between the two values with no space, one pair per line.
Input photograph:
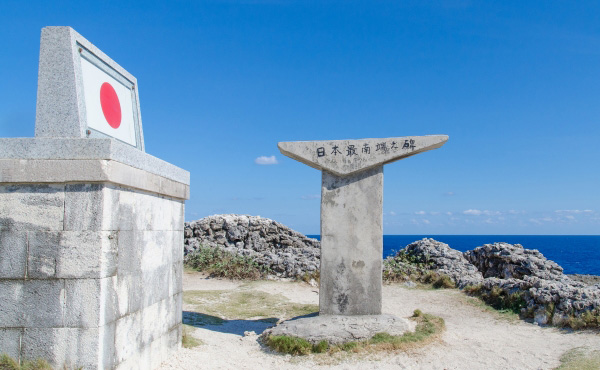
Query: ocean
[577,254]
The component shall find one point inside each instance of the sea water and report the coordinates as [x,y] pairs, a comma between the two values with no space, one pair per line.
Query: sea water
[577,254]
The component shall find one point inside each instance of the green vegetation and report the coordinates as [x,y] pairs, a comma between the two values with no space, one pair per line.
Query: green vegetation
[295,346]
[187,340]
[217,305]
[498,298]
[438,281]
[308,276]
[220,263]
[428,328]
[515,303]
[587,320]
[405,267]
[8,363]
[580,359]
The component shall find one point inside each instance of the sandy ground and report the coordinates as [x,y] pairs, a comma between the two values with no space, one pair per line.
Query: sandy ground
[475,338]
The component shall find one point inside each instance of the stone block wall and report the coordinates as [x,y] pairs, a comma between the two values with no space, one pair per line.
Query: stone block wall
[90,274]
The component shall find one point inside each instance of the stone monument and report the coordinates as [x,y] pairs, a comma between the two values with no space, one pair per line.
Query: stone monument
[351,233]
[91,226]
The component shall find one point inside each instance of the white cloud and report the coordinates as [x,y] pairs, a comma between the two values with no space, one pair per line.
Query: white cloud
[426,222]
[263,160]
[392,213]
[420,213]
[435,213]
[472,212]
[491,213]
[310,196]
[576,211]
[449,193]
[449,213]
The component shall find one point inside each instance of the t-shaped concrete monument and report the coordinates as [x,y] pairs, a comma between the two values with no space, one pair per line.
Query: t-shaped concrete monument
[352,213]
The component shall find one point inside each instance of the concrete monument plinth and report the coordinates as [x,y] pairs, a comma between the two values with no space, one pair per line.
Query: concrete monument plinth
[91,226]
[352,232]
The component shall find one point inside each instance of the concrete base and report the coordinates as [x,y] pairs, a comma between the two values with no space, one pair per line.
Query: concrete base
[339,329]
[90,263]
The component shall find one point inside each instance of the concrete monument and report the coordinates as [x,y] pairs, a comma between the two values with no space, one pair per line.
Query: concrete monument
[91,227]
[352,230]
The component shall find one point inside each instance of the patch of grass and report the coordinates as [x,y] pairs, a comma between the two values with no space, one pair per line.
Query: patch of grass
[220,263]
[289,345]
[498,298]
[404,267]
[240,304]
[428,328]
[187,340]
[8,363]
[503,314]
[308,276]
[580,359]
[587,320]
[438,281]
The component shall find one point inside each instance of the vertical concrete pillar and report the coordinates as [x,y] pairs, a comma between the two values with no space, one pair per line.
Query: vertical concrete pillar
[351,243]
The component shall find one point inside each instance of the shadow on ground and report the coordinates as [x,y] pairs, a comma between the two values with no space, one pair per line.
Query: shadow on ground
[237,327]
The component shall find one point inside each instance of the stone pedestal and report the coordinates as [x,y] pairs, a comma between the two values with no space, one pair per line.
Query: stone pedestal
[91,227]
[91,251]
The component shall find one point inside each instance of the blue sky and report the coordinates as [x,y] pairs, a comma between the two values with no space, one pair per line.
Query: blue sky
[516,86]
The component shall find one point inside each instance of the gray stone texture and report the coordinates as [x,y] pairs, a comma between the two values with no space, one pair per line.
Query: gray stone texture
[352,214]
[285,252]
[51,148]
[444,260]
[339,329]
[344,157]
[351,243]
[60,110]
[91,231]
[99,285]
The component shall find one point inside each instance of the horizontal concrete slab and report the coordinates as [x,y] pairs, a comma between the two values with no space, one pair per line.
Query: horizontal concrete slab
[88,148]
[89,170]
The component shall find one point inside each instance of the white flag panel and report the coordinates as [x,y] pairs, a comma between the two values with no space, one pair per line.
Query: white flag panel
[102,113]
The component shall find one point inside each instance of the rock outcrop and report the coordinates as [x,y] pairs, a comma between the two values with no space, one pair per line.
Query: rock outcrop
[287,253]
[506,261]
[444,260]
[544,291]
[549,295]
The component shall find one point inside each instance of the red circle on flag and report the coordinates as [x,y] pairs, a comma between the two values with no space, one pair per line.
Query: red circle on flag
[111,107]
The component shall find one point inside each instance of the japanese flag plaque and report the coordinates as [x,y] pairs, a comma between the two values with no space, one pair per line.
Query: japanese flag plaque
[109,100]
[84,93]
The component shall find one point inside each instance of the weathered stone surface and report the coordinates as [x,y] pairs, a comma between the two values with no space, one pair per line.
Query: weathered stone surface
[344,157]
[338,329]
[506,261]
[352,214]
[287,253]
[351,243]
[13,254]
[444,260]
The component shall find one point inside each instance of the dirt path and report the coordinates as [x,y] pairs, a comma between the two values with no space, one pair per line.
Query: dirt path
[475,337]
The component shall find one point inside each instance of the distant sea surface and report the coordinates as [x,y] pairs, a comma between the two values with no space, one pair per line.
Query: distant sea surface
[577,254]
